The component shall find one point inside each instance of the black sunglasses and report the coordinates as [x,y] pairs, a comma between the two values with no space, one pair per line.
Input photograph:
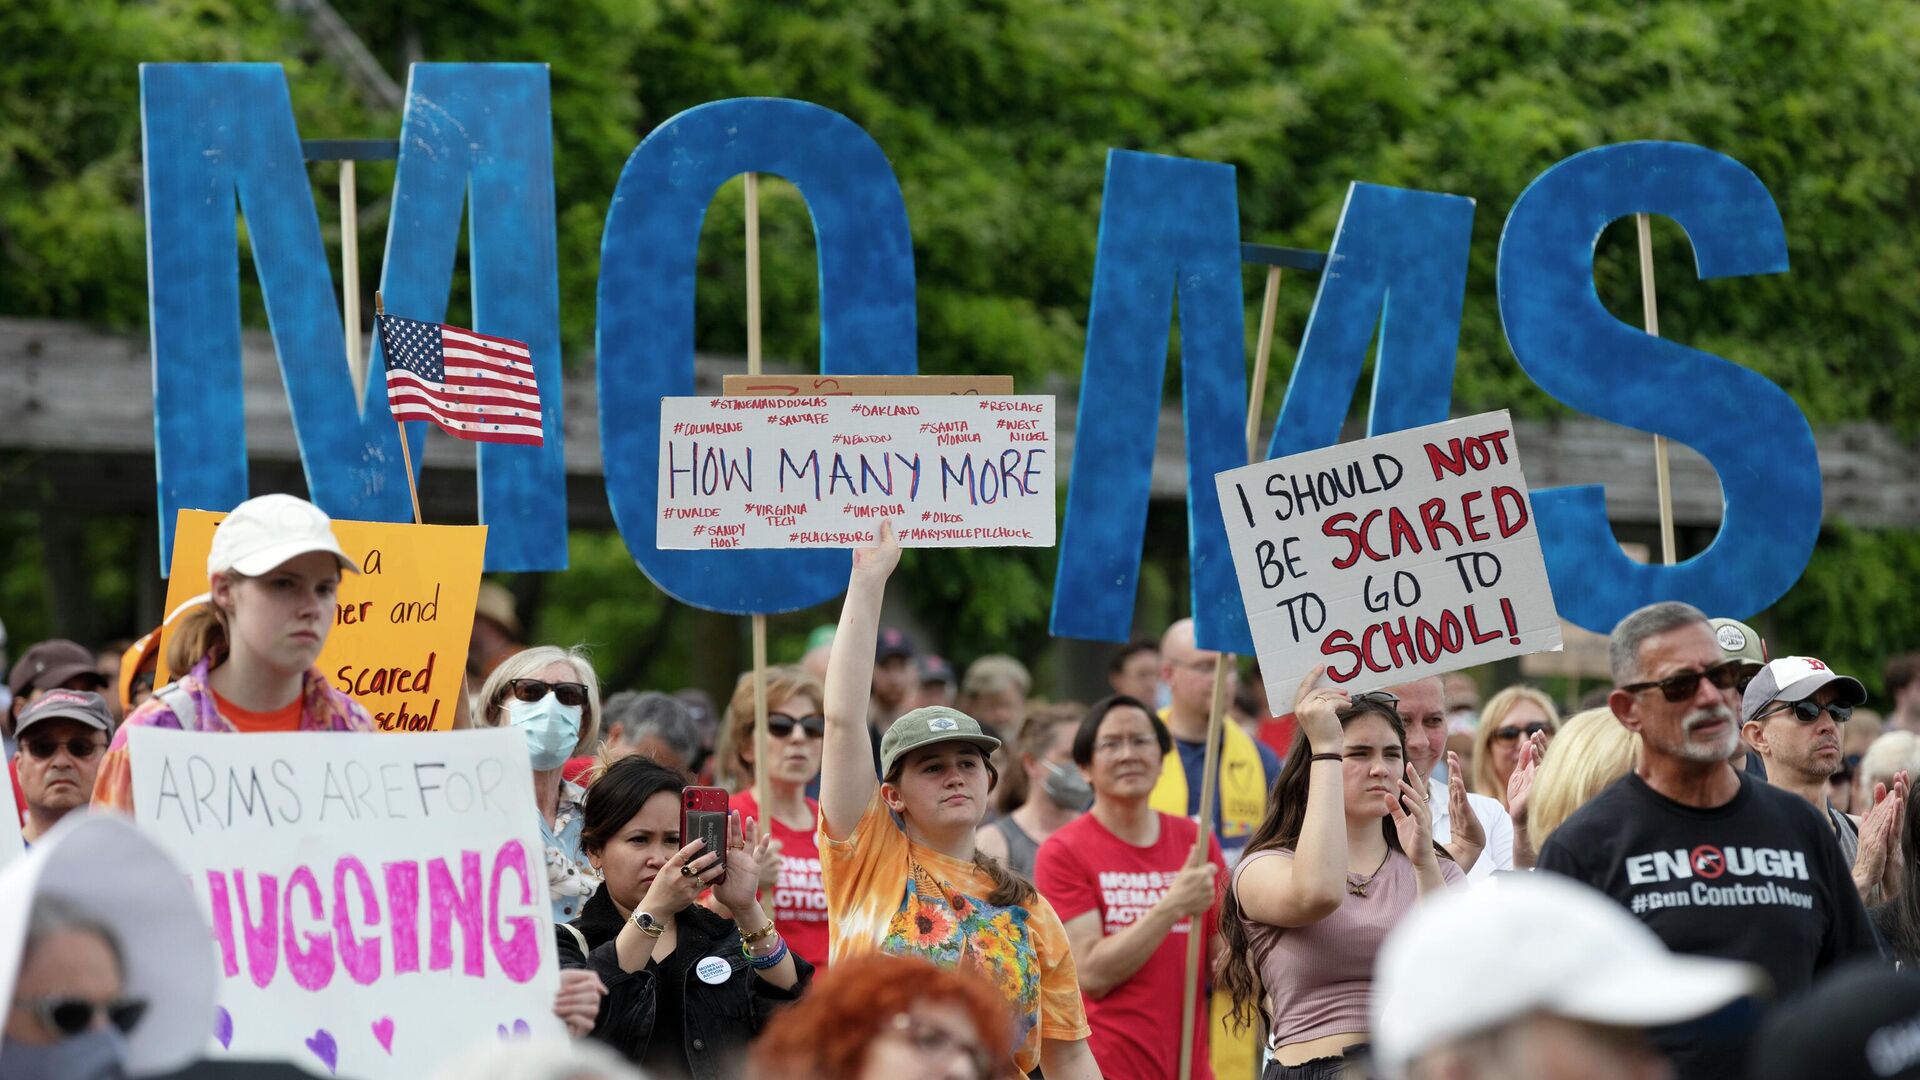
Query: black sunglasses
[780,725]
[1510,733]
[1808,711]
[71,1016]
[569,693]
[81,747]
[1377,697]
[1680,687]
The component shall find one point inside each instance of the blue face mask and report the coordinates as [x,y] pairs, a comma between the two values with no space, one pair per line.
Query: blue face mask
[551,729]
[90,1055]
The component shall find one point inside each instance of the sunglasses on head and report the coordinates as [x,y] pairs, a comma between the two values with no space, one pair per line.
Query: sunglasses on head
[71,1016]
[81,747]
[780,725]
[1377,697]
[1680,687]
[1510,733]
[569,693]
[1808,711]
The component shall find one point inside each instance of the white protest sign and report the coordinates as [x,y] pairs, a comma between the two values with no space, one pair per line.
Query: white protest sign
[798,472]
[1389,559]
[379,902]
[11,843]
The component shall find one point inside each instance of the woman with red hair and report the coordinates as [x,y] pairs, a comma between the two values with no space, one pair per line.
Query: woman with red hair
[882,1017]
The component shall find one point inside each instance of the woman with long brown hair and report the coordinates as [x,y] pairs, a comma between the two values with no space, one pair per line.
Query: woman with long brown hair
[1345,849]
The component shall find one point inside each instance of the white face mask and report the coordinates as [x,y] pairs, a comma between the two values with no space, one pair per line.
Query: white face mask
[551,729]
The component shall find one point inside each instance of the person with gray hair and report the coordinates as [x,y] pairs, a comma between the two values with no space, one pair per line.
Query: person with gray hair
[657,725]
[1713,861]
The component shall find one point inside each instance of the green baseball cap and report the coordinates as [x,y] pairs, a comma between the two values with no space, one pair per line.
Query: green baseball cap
[927,726]
[1739,642]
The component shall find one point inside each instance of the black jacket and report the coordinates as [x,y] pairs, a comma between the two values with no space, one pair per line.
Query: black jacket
[719,1020]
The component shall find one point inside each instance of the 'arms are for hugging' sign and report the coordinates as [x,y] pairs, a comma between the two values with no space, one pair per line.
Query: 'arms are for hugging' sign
[379,902]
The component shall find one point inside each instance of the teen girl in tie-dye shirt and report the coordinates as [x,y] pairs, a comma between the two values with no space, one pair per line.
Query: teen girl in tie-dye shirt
[897,856]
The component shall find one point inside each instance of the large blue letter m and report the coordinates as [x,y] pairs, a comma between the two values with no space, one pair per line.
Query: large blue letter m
[214,131]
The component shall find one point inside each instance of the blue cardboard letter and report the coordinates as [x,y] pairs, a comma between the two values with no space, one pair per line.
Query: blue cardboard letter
[1578,352]
[645,332]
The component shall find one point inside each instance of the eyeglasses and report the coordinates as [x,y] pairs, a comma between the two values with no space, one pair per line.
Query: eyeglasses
[932,1042]
[1509,733]
[1682,686]
[71,1016]
[569,693]
[81,747]
[1808,711]
[780,725]
[1377,697]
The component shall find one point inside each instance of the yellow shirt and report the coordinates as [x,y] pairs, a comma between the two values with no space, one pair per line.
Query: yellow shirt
[886,893]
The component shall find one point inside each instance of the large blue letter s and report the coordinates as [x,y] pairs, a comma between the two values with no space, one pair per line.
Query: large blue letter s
[1745,426]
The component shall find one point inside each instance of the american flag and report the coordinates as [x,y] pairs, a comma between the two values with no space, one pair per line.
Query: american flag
[474,386]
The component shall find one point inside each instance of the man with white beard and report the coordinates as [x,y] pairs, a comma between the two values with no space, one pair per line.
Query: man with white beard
[1715,862]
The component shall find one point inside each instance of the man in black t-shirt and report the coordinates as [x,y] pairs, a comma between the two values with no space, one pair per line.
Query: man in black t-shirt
[1712,861]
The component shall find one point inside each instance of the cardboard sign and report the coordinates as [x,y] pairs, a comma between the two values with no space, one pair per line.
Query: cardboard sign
[1389,559]
[378,904]
[864,385]
[400,631]
[794,472]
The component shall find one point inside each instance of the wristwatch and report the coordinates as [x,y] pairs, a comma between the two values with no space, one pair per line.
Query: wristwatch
[648,925]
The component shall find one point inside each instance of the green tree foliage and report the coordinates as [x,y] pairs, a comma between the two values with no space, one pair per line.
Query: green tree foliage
[997,116]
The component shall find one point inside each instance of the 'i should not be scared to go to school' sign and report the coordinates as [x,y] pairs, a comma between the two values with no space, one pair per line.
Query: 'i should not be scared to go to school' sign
[800,471]
[401,626]
[1391,558]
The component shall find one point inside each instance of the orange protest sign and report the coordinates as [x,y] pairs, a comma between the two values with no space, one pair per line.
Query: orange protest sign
[401,625]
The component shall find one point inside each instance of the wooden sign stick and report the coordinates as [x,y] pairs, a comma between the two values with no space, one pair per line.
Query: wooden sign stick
[1217,711]
[762,784]
[350,278]
[1649,304]
[406,453]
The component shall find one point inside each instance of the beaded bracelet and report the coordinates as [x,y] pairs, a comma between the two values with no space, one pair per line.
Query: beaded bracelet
[772,959]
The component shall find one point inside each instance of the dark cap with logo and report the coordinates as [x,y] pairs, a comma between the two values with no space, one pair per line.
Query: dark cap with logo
[80,706]
[930,726]
[892,642]
[1861,1022]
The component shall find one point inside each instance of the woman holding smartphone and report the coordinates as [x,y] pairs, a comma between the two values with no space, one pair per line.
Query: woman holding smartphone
[686,989]
[920,887]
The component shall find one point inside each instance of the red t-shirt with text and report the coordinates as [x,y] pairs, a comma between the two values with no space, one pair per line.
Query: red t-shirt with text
[799,900]
[1083,868]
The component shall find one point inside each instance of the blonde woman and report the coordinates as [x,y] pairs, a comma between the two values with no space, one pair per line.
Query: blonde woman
[552,698]
[1592,750]
[1511,718]
[994,692]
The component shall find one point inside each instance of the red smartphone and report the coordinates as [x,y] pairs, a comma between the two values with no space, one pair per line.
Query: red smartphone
[703,814]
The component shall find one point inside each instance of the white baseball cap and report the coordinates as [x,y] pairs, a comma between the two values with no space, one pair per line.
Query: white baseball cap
[264,532]
[1796,678]
[1473,959]
[117,876]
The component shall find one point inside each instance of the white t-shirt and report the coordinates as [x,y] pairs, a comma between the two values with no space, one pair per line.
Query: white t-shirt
[1493,821]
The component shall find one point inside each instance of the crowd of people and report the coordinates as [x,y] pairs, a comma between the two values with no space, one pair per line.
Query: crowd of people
[1712,870]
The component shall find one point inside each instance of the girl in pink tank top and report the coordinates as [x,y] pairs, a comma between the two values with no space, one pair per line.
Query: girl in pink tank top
[1345,849]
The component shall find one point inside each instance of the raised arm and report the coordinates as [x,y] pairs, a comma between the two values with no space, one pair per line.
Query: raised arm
[847,782]
[1310,886]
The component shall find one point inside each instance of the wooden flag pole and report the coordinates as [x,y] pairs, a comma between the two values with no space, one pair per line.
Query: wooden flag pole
[1217,709]
[1649,304]
[762,784]
[350,279]
[406,453]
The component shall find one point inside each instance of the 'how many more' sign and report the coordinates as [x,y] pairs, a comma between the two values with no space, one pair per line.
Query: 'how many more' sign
[794,472]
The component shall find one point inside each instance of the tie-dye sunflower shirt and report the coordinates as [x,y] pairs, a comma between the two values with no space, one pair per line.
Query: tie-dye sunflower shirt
[887,893]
